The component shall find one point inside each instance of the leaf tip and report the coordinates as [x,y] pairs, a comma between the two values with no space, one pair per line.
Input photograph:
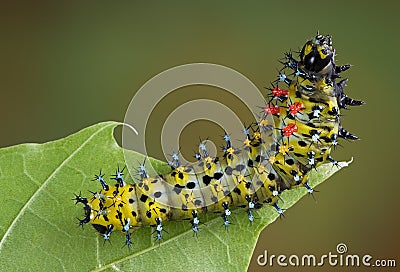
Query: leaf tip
[129,126]
[346,163]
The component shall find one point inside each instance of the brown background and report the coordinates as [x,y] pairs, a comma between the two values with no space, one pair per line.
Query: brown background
[67,66]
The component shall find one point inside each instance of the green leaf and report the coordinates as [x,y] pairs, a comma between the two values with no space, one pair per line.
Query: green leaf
[38,226]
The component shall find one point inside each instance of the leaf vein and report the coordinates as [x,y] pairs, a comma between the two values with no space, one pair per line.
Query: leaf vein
[39,190]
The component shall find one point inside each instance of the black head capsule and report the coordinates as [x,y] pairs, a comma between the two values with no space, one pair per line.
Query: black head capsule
[317,53]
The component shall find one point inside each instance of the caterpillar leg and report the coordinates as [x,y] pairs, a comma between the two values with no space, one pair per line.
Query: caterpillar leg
[332,160]
[251,206]
[225,215]
[104,231]
[195,222]
[250,216]
[107,234]
[125,229]
[158,230]
[278,209]
[309,189]
[306,184]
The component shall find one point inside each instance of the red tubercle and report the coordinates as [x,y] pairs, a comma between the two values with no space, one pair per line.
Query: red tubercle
[272,109]
[278,92]
[289,129]
[295,108]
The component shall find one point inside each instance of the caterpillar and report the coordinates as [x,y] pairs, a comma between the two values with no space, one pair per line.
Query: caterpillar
[302,113]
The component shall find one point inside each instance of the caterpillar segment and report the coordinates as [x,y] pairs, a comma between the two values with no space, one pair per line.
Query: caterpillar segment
[301,115]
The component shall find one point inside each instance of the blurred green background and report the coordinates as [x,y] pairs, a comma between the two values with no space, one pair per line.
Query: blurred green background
[68,65]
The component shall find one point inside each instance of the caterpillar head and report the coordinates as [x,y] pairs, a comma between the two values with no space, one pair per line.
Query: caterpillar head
[317,53]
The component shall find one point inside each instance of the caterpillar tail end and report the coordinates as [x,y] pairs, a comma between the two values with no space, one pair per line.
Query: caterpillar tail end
[86,208]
